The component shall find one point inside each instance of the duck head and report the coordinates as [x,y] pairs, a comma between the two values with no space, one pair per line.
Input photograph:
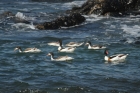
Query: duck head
[50,54]
[60,42]
[106,52]
[88,43]
[18,48]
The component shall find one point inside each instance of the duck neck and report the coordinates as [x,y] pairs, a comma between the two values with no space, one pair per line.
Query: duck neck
[60,47]
[89,46]
[52,58]
[106,57]
[20,50]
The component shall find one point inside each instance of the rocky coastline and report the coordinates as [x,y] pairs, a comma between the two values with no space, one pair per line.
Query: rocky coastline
[75,15]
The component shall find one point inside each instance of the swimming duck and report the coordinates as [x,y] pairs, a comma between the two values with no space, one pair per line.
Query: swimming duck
[61,58]
[66,49]
[74,44]
[27,50]
[117,57]
[94,46]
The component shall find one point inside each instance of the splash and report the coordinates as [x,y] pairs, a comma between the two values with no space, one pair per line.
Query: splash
[133,31]
[20,15]
[24,26]
[23,17]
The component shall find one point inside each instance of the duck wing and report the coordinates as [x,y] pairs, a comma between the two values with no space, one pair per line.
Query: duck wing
[121,55]
[111,57]
[69,48]
[117,55]
[71,43]
[62,58]
[28,49]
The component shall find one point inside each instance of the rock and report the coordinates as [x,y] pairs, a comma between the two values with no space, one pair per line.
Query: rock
[66,21]
[55,1]
[6,14]
[104,7]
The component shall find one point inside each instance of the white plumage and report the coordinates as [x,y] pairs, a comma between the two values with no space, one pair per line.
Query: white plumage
[61,58]
[27,50]
[74,44]
[53,44]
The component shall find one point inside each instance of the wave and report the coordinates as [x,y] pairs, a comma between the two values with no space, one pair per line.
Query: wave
[23,17]
[72,4]
[131,30]
[24,26]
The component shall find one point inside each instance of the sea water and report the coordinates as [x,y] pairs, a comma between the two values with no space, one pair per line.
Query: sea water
[88,72]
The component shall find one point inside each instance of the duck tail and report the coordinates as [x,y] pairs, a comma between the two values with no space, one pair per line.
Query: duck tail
[127,54]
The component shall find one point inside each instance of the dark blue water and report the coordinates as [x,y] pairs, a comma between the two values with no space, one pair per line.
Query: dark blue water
[88,72]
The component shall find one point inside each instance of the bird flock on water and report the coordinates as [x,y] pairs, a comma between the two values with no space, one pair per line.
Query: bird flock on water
[70,48]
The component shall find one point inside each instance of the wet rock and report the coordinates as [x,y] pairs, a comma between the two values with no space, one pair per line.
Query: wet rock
[6,14]
[104,7]
[13,17]
[55,1]
[64,21]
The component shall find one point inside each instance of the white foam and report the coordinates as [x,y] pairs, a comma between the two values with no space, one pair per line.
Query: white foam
[93,18]
[23,25]
[133,31]
[72,4]
[22,16]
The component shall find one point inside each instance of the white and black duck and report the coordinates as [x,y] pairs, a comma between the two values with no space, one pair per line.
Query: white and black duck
[117,57]
[90,46]
[27,50]
[65,49]
[61,58]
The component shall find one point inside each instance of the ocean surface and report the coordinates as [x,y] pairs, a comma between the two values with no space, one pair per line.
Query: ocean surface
[88,72]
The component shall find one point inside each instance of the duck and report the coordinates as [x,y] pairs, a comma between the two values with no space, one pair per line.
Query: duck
[117,57]
[27,50]
[65,49]
[94,46]
[74,44]
[61,58]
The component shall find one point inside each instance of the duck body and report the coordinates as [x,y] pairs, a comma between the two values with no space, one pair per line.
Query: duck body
[53,44]
[94,46]
[66,49]
[113,58]
[61,58]
[27,50]
[74,44]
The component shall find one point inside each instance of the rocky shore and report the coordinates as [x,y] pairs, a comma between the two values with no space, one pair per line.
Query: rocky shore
[108,7]
[66,21]
[98,7]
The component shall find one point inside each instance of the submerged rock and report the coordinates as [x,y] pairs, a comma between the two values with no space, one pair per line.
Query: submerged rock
[14,17]
[66,21]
